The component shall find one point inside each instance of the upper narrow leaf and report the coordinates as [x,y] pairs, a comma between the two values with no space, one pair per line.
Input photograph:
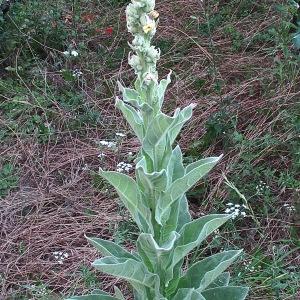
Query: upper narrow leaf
[194,172]
[132,117]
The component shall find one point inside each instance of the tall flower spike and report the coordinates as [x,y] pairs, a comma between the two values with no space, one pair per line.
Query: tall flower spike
[156,198]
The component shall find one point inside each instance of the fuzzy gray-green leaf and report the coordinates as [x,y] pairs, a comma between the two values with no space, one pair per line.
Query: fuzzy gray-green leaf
[132,117]
[195,232]
[188,294]
[128,191]
[131,270]
[226,293]
[204,272]
[109,248]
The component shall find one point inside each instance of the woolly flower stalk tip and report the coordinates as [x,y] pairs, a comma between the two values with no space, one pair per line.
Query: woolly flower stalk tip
[141,23]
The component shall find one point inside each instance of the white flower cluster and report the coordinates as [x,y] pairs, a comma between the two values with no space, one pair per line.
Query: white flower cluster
[120,134]
[38,290]
[101,155]
[251,268]
[122,166]
[60,256]
[289,207]
[77,73]
[107,144]
[261,188]
[236,210]
[71,53]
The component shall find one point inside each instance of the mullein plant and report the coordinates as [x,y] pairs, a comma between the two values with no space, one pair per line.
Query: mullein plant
[156,198]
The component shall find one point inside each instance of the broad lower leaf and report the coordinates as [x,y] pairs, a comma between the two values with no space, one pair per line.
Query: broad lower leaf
[131,270]
[226,293]
[128,191]
[118,293]
[188,294]
[195,232]
[222,280]
[109,248]
[100,295]
[204,272]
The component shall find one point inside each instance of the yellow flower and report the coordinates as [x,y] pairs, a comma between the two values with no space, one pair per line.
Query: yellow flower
[154,14]
[148,27]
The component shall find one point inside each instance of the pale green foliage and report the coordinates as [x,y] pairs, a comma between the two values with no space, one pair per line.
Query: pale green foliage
[156,199]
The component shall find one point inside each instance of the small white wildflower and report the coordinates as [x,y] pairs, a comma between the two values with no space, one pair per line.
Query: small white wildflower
[227,210]
[66,53]
[77,73]
[85,167]
[60,256]
[289,207]
[229,204]
[243,214]
[101,155]
[130,153]
[111,144]
[122,166]
[103,143]
[74,53]
[120,134]
[237,205]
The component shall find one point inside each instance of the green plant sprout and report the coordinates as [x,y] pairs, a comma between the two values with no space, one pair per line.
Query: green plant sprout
[156,199]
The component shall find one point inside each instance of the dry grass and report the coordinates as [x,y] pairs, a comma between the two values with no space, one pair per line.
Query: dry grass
[56,203]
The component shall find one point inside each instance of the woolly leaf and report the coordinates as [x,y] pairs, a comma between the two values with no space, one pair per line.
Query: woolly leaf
[194,172]
[157,255]
[161,89]
[226,293]
[132,117]
[118,293]
[195,232]
[188,294]
[109,248]
[128,191]
[221,280]
[96,295]
[131,270]
[206,271]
